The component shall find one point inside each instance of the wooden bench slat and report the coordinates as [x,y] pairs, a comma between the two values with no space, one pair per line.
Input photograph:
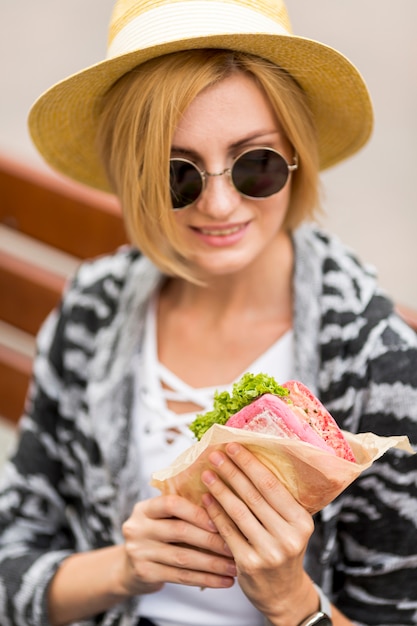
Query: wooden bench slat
[15,372]
[28,293]
[68,218]
[78,221]
[409,315]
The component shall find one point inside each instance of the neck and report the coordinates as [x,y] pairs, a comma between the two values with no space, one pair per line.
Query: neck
[262,289]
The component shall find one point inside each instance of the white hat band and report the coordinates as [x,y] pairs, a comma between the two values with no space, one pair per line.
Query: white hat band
[177,21]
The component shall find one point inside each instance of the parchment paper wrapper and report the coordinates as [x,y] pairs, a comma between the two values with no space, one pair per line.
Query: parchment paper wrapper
[314,477]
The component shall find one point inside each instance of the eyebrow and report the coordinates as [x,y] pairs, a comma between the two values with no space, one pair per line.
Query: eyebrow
[237,144]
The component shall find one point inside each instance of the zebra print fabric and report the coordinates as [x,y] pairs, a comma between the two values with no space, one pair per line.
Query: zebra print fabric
[72,479]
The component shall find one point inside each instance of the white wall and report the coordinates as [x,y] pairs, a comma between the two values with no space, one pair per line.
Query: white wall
[370,201]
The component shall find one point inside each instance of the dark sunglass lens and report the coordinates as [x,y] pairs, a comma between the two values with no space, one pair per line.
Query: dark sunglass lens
[260,173]
[185,183]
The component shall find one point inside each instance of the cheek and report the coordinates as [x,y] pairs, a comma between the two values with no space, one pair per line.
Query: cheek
[272,212]
[180,222]
[182,232]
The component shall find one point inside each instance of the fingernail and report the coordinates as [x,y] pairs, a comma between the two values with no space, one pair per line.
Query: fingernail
[231,569]
[216,458]
[208,477]
[207,499]
[233,448]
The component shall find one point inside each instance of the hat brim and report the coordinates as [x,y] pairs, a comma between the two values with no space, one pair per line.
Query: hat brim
[63,121]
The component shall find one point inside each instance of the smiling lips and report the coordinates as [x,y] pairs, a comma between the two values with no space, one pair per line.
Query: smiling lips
[221,231]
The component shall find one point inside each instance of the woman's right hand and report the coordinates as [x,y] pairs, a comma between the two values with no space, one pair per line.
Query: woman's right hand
[170,539]
[167,539]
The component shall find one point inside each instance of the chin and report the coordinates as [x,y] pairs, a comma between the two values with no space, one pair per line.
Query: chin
[220,267]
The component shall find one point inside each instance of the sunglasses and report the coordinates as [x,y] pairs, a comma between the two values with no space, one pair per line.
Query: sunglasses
[258,173]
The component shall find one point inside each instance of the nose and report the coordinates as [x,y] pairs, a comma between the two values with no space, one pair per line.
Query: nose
[219,197]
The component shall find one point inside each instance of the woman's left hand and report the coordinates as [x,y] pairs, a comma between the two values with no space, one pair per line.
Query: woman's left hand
[267,531]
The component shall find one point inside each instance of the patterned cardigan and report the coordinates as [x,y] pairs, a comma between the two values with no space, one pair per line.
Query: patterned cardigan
[73,480]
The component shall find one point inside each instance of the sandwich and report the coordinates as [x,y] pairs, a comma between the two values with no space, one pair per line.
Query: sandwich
[288,429]
[259,404]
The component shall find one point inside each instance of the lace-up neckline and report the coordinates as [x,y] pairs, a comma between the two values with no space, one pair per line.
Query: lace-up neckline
[160,385]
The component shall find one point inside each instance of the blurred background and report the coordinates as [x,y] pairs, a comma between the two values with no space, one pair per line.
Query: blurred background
[370,201]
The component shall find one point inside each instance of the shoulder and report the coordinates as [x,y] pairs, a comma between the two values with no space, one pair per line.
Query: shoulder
[347,287]
[368,354]
[100,286]
[100,297]
[334,258]
[99,275]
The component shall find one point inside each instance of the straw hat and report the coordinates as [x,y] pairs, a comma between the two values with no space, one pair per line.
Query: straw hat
[63,120]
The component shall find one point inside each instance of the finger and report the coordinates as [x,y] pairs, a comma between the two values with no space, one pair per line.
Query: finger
[175,506]
[248,494]
[252,544]
[227,528]
[254,507]
[179,532]
[267,484]
[179,564]
[191,578]
[183,557]
[235,521]
[139,529]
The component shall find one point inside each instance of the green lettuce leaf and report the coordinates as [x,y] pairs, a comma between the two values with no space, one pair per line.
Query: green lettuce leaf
[245,391]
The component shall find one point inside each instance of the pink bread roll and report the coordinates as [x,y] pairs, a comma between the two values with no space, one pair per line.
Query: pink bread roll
[273,416]
[299,415]
[319,418]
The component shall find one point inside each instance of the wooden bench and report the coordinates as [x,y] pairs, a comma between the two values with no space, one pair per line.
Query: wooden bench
[46,227]
[409,315]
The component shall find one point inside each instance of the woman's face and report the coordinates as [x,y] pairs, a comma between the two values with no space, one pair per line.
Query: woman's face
[224,231]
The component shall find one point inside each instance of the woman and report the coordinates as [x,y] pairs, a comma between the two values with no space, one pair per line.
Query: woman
[212,135]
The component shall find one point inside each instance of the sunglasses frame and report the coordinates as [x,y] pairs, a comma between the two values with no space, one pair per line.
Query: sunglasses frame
[228,171]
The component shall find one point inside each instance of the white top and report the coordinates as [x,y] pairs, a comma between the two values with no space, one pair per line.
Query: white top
[159,445]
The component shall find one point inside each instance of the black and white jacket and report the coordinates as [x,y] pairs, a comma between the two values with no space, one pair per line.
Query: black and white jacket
[73,478]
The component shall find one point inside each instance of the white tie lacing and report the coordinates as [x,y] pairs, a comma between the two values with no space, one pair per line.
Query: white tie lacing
[158,385]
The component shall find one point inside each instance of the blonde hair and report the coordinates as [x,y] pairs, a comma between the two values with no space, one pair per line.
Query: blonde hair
[137,123]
